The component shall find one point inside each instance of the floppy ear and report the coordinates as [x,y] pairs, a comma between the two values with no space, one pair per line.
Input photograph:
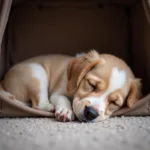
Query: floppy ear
[134,93]
[78,68]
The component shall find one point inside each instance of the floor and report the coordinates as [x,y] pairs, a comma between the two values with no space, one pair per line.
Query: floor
[125,133]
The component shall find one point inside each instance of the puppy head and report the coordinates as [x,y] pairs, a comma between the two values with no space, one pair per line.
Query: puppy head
[100,84]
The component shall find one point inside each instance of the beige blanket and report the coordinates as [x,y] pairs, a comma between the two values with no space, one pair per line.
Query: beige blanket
[10,107]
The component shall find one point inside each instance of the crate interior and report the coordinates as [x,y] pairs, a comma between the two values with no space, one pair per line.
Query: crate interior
[117,27]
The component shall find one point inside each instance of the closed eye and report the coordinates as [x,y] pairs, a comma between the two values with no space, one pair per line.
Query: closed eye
[113,106]
[114,103]
[92,84]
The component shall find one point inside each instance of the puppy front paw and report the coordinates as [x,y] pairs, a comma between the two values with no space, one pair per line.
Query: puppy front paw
[64,114]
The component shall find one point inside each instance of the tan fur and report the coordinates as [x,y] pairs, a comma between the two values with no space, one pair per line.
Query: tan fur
[78,67]
[19,81]
[134,93]
[100,73]
[69,76]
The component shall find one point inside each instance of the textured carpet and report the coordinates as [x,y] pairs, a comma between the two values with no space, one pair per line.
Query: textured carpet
[125,133]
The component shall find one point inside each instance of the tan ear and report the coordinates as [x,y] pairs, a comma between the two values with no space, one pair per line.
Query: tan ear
[134,93]
[78,67]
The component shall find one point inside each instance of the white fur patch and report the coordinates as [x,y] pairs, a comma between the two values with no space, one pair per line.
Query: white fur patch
[116,81]
[39,73]
[62,107]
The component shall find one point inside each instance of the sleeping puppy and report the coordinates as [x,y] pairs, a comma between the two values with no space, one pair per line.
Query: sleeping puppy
[99,84]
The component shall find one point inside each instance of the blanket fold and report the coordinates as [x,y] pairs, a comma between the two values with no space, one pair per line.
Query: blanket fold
[12,108]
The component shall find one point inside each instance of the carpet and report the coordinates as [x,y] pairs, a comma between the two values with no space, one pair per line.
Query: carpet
[124,133]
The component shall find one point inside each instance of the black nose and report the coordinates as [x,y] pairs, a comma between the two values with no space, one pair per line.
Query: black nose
[90,113]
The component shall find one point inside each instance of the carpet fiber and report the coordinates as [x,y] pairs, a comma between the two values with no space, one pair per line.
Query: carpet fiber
[125,133]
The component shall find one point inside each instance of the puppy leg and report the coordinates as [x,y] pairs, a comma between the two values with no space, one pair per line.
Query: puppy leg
[63,109]
[40,101]
[39,88]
